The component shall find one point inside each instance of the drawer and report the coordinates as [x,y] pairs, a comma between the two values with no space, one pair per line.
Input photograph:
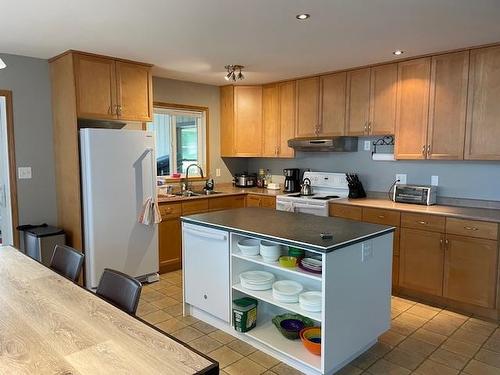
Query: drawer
[194,206]
[170,210]
[225,203]
[432,223]
[346,211]
[472,228]
[253,200]
[268,202]
[380,216]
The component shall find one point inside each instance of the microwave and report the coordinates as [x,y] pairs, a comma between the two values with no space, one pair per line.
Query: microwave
[417,194]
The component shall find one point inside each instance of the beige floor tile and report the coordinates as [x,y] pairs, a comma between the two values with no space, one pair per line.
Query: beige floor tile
[187,334]
[177,296]
[349,370]
[479,368]
[170,290]
[222,336]
[489,357]
[204,327]
[156,317]
[455,314]
[151,296]
[222,372]
[245,367]
[263,359]
[486,322]
[171,325]
[188,319]
[402,327]
[411,345]
[225,356]
[241,347]
[284,369]
[383,367]
[391,338]
[165,302]
[205,344]
[468,335]
[429,336]
[480,327]
[145,308]
[412,319]
[423,311]
[449,359]
[456,319]
[429,367]
[401,304]
[174,310]
[441,326]
[409,360]
[493,343]
[459,347]
[269,372]
[365,360]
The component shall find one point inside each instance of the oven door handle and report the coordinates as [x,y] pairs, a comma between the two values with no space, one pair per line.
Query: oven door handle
[298,205]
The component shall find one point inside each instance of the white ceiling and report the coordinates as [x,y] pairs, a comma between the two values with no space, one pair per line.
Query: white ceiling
[193,39]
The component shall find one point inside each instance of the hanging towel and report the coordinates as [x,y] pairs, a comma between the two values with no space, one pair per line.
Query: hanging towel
[150,213]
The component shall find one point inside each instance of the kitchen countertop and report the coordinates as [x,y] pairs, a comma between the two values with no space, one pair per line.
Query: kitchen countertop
[293,229]
[482,214]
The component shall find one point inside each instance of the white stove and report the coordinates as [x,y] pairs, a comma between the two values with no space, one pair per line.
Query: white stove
[326,187]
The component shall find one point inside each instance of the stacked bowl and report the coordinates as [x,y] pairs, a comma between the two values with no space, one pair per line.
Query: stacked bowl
[270,251]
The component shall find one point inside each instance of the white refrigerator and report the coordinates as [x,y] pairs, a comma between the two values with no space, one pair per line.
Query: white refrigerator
[118,170]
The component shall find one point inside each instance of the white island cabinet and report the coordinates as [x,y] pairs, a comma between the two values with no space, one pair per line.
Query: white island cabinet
[355,283]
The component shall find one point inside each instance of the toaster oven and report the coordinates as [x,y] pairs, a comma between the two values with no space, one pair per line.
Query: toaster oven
[417,194]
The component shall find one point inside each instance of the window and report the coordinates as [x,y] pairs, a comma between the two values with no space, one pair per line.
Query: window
[180,140]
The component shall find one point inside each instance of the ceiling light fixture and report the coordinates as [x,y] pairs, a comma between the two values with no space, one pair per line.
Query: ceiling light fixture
[2,64]
[303,16]
[398,52]
[231,73]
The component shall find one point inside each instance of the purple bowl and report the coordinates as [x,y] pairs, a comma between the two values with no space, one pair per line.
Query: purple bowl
[292,325]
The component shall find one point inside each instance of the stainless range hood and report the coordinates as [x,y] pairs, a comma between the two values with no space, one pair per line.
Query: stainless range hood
[331,144]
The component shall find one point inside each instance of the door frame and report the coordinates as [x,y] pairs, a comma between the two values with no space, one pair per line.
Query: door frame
[7,94]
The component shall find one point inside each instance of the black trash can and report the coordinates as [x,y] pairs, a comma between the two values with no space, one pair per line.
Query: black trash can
[39,241]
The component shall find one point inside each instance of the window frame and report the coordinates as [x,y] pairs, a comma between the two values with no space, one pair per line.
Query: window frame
[205,132]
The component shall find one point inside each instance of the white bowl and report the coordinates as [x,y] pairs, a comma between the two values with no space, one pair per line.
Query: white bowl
[249,246]
[270,251]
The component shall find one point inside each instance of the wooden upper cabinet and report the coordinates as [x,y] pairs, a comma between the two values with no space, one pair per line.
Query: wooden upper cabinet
[308,107]
[226,120]
[383,88]
[95,87]
[358,101]
[134,91]
[287,117]
[412,106]
[483,109]
[447,108]
[333,100]
[270,120]
[247,121]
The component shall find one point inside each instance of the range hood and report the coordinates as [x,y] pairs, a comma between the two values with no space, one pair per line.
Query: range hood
[331,144]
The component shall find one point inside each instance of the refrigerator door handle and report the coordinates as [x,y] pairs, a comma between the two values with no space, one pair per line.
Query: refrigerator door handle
[153,174]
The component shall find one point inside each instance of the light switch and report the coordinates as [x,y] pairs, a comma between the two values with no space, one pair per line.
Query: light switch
[217,172]
[24,173]
[402,178]
[434,180]
[368,145]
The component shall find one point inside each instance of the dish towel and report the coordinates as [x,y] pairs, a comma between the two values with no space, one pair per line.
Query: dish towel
[150,213]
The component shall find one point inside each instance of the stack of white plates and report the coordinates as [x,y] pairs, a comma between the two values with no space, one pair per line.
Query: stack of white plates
[287,291]
[311,264]
[257,280]
[310,301]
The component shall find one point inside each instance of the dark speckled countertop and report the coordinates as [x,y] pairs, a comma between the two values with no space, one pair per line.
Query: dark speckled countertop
[292,229]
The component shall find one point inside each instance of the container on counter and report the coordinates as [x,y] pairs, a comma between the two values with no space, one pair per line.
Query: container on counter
[261,177]
[244,314]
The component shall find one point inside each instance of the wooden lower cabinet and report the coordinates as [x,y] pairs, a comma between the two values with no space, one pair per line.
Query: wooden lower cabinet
[395,271]
[226,203]
[421,261]
[254,200]
[346,212]
[169,245]
[470,271]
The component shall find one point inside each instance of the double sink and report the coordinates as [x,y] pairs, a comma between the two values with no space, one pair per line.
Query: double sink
[189,193]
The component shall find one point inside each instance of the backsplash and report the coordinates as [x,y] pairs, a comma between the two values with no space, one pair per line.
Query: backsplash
[457,179]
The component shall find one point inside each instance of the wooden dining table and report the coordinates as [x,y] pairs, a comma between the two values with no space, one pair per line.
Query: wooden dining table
[49,325]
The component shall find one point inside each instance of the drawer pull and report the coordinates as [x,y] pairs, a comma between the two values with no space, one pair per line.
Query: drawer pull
[471,228]
[381,216]
[422,222]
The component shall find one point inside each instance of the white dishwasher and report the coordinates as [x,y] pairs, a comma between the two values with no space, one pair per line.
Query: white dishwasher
[205,254]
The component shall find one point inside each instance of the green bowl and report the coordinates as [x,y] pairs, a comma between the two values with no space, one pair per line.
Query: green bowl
[296,252]
[291,335]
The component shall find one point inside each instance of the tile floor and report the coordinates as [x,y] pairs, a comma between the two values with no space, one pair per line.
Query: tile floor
[422,340]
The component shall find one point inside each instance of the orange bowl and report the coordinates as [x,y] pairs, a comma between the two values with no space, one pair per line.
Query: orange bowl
[311,339]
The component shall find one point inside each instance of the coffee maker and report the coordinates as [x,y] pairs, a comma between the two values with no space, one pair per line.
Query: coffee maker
[292,180]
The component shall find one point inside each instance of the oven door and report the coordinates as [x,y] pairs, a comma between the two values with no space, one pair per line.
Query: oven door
[312,208]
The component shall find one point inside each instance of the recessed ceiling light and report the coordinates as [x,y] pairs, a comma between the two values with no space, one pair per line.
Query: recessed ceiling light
[398,52]
[303,16]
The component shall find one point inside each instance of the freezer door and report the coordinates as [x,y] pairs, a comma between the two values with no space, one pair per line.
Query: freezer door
[118,175]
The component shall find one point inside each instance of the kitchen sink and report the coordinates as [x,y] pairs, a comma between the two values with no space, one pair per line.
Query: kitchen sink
[196,193]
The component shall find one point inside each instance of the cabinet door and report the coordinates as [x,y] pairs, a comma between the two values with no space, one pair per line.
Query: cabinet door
[270,120]
[333,98]
[483,111]
[421,259]
[226,120]
[358,101]
[169,243]
[308,107]
[248,120]
[206,269]
[135,93]
[383,88]
[471,270]
[287,118]
[268,202]
[412,107]
[95,87]
[447,109]
[253,200]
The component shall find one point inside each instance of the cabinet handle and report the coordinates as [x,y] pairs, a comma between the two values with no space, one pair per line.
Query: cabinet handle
[423,150]
[428,150]
[471,228]
[119,110]
[422,222]
[365,127]
[205,296]
[381,216]
[369,127]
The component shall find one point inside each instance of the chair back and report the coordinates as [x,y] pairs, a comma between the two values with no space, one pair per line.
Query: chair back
[120,289]
[67,262]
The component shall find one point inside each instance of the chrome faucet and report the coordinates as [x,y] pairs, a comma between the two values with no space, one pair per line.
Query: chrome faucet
[185,184]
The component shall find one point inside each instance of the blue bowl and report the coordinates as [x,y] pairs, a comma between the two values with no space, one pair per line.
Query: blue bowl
[292,325]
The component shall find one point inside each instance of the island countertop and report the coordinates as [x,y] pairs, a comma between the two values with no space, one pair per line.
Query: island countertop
[294,229]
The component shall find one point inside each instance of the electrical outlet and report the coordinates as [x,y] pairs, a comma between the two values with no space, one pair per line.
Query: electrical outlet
[368,145]
[366,251]
[434,180]
[401,178]
[24,173]
[217,172]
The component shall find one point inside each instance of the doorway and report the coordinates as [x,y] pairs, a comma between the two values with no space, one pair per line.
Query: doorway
[8,188]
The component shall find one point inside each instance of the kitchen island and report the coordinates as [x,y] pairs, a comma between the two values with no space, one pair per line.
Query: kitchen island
[355,283]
